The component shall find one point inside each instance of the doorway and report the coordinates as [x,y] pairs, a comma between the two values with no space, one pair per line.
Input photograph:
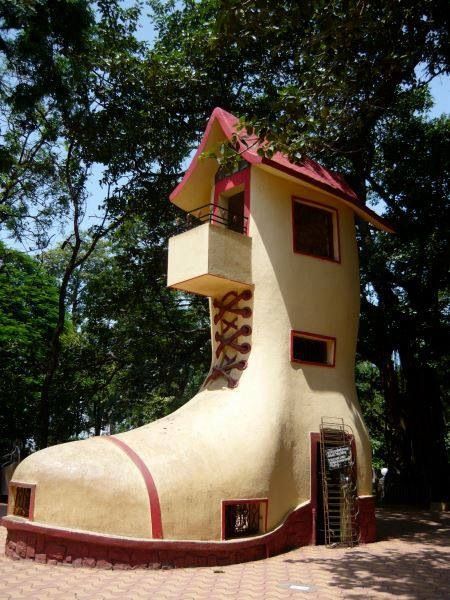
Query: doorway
[333,485]
[236,205]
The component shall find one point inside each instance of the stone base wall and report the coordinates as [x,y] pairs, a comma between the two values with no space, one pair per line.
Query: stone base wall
[26,540]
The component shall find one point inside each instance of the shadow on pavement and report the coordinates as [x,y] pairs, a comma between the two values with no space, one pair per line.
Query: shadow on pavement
[414,565]
[413,525]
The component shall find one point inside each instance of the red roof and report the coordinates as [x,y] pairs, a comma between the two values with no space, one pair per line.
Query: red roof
[309,170]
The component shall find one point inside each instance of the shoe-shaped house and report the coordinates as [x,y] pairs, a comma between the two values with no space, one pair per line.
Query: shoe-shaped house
[272,453]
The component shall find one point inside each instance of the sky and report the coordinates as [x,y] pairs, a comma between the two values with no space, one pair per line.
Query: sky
[440,90]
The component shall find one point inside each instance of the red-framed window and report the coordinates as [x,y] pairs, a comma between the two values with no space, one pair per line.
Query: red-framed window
[315,230]
[313,349]
[232,200]
[244,518]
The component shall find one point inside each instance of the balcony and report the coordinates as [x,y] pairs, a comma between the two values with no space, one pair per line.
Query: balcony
[210,259]
[231,216]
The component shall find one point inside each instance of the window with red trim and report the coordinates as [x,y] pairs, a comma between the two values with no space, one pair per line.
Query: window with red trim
[242,518]
[232,201]
[315,230]
[312,349]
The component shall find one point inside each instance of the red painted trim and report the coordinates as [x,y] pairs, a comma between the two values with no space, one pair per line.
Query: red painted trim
[31,540]
[366,519]
[338,188]
[232,181]
[336,227]
[352,202]
[313,336]
[315,439]
[31,487]
[244,501]
[25,540]
[219,115]
[153,498]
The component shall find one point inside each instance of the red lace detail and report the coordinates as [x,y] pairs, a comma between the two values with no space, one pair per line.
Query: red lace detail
[229,304]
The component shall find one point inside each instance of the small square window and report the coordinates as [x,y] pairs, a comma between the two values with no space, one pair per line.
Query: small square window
[242,518]
[315,230]
[313,349]
[22,499]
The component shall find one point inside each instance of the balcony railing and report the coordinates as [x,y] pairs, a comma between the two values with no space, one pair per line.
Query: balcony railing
[219,215]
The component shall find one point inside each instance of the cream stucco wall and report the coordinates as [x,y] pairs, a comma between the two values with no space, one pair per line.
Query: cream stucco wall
[200,257]
[249,442]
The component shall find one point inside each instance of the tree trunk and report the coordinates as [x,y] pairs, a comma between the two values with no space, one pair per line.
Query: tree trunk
[54,354]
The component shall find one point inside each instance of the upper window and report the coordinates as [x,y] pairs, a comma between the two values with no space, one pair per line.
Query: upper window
[313,349]
[315,230]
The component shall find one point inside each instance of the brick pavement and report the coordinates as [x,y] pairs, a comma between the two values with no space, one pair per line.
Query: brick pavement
[411,561]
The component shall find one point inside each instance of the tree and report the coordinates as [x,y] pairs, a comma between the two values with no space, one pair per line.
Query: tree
[103,116]
[28,312]
[324,79]
[43,49]
[370,395]
[406,336]
[120,365]
[336,80]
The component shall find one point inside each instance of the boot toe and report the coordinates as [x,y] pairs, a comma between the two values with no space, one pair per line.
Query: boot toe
[88,485]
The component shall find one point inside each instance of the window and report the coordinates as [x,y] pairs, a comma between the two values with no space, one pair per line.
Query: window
[22,500]
[232,201]
[242,518]
[315,230]
[236,212]
[313,349]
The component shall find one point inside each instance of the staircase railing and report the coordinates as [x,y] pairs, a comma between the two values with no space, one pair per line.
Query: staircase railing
[340,500]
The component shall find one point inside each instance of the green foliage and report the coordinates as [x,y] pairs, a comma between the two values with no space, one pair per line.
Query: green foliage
[44,42]
[28,309]
[405,321]
[311,76]
[371,399]
[345,82]
[136,350]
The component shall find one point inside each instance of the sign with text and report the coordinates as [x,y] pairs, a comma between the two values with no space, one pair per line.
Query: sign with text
[339,457]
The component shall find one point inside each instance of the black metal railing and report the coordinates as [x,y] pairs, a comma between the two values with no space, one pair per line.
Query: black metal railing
[219,215]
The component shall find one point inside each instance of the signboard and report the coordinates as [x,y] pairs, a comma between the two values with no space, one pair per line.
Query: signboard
[339,457]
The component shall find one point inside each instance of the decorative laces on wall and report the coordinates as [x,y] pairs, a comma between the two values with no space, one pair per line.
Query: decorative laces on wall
[228,343]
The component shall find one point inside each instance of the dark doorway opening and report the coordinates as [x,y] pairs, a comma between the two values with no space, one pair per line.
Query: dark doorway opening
[334,507]
[236,205]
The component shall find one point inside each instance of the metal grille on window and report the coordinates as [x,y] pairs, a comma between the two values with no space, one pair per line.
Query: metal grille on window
[242,519]
[22,502]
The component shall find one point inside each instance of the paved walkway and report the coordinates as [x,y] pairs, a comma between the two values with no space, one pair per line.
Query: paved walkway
[411,561]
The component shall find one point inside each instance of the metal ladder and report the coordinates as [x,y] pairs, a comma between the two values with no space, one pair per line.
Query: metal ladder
[340,500]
